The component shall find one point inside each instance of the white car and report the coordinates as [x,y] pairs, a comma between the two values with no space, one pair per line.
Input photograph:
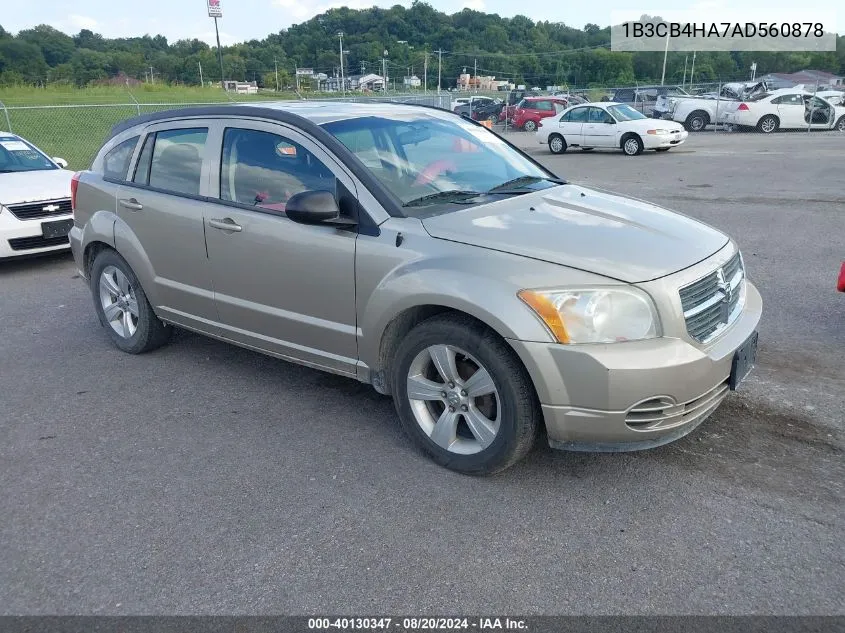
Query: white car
[35,206]
[609,125]
[786,109]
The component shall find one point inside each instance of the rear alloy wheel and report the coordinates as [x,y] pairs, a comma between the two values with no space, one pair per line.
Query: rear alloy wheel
[556,144]
[840,124]
[463,396]
[122,306]
[529,126]
[632,145]
[768,124]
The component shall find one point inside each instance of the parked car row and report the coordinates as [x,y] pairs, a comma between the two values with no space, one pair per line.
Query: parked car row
[752,105]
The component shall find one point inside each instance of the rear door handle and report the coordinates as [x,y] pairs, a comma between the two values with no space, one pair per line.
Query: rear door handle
[132,204]
[225,224]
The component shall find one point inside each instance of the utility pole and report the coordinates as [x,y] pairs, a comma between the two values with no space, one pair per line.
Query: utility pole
[425,73]
[665,55]
[439,64]
[342,86]
[363,67]
[384,72]
[684,82]
[276,66]
[692,70]
[475,82]
[152,79]
[296,74]
[219,55]
[202,83]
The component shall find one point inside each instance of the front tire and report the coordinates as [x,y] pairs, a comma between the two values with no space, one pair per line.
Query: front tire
[840,124]
[529,126]
[463,396]
[557,144]
[768,124]
[632,145]
[122,306]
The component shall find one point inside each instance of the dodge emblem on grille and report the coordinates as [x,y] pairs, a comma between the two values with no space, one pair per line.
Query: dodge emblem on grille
[51,207]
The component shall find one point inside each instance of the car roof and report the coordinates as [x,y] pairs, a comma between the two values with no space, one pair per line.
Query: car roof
[297,112]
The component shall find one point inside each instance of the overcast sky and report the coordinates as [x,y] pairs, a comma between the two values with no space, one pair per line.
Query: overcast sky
[248,19]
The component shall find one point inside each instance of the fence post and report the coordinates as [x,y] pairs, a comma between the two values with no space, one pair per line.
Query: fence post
[6,112]
[718,99]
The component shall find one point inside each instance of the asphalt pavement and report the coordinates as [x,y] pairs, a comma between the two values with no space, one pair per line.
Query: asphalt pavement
[207,479]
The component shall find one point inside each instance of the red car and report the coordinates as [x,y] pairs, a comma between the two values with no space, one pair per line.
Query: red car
[840,284]
[532,110]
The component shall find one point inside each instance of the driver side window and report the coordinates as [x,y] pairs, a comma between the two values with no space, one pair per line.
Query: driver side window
[265,170]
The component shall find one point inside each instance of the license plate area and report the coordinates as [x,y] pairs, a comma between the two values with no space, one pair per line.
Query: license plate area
[743,361]
[59,228]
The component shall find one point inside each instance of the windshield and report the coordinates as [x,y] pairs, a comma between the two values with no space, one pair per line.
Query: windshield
[625,113]
[18,155]
[421,159]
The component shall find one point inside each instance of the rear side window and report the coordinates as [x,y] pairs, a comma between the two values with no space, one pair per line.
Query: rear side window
[172,160]
[264,169]
[116,160]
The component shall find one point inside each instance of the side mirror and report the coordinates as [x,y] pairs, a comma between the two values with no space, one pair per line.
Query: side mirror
[61,162]
[312,207]
[610,122]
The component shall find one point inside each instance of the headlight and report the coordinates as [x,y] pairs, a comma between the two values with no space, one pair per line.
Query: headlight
[595,315]
[657,132]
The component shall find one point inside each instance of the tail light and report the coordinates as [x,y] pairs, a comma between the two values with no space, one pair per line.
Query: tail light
[74,185]
[744,107]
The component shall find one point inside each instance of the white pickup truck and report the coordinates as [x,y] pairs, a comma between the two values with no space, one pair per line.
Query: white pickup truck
[697,112]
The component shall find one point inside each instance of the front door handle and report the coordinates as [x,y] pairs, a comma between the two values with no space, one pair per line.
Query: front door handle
[225,224]
[132,204]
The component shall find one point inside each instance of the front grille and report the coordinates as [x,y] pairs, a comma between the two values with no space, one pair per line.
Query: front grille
[43,209]
[29,243]
[664,413]
[714,301]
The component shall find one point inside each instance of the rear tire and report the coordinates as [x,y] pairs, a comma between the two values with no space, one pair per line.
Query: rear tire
[697,121]
[632,145]
[557,144]
[130,322]
[768,124]
[840,124]
[529,126]
[481,434]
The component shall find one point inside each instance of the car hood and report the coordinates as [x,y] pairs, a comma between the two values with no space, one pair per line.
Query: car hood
[34,186]
[591,230]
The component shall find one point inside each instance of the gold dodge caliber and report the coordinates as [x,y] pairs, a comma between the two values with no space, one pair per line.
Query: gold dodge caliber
[417,251]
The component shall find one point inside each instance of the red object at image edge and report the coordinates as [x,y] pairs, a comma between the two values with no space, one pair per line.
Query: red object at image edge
[840,286]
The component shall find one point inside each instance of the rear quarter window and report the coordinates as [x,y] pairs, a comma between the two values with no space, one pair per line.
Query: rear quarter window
[116,161]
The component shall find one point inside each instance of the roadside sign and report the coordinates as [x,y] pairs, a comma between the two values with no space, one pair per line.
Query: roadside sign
[214,9]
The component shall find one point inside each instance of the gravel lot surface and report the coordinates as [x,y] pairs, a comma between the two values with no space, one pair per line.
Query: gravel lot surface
[207,479]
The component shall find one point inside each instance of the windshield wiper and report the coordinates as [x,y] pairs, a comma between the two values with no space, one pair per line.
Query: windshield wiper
[517,184]
[453,195]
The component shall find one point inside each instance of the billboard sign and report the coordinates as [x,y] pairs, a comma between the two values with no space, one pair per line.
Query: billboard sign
[214,9]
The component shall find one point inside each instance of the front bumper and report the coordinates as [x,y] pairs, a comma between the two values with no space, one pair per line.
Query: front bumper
[26,236]
[654,141]
[594,397]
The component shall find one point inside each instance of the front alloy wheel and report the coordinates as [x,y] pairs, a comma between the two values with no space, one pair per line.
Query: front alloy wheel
[453,399]
[463,396]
